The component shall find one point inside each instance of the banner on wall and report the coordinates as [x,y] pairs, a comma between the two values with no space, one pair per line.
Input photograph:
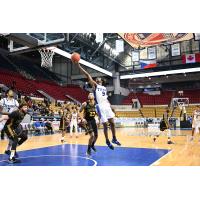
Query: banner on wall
[147,64]
[196,36]
[99,37]
[137,40]
[119,46]
[151,53]
[175,49]
[135,56]
[191,58]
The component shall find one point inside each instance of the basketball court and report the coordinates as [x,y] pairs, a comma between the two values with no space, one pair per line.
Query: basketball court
[99,100]
[135,151]
[138,148]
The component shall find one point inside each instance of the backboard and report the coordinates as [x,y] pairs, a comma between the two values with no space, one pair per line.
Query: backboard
[180,102]
[25,42]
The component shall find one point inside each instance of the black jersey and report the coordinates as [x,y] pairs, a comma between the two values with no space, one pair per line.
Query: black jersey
[63,123]
[164,123]
[15,118]
[89,112]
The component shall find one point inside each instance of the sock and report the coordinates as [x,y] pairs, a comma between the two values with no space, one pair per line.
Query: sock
[107,141]
[114,138]
[62,138]
[89,147]
[169,139]
[92,145]
[9,145]
[12,154]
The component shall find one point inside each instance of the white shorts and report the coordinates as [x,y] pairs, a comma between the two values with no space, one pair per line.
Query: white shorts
[105,112]
[196,126]
[2,124]
[73,123]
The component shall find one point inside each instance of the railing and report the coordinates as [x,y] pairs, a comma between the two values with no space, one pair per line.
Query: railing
[76,101]
[124,108]
[46,95]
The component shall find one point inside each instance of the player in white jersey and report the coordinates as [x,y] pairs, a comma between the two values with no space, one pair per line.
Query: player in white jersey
[74,122]
[9,104]
[103,107]
[195,121]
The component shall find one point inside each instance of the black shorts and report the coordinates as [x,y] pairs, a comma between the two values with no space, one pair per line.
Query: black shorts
[92,126]
[163,125]
[10,132]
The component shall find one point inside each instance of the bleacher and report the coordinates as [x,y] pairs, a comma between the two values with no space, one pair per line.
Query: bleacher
[164,98]
[148,111]
[24,86]
[30,87]
[23,64]
[145,99]
[128,114]
[193,95]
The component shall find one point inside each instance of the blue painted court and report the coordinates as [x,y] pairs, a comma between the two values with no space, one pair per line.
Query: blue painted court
[74,155]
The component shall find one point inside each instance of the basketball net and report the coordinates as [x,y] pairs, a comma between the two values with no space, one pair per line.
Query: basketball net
[181,105]
[46,57]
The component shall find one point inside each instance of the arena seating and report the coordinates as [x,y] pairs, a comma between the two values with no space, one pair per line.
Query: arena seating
[22,85]
[164,98]
[128,114]
[190,109]
[155,112]
[76,92]
[30,87]
[4,62]
[193,95]
[39,73]
[146,99]
[148,111]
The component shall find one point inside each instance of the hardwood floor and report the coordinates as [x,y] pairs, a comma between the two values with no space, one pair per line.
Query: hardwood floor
[183,152]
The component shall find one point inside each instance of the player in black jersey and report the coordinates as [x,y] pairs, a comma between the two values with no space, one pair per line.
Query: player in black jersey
[64,123]
[12,125]
[165,126]
[89,115]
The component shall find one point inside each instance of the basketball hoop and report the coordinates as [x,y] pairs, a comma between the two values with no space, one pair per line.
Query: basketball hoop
[180,102]
[46,56]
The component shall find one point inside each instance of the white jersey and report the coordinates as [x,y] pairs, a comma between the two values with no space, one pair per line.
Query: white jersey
[103,106]
[9,105]
[100,94]
[196,115]
[74,116]
[74,124]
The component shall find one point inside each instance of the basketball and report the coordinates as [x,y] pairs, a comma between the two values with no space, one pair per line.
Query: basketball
[75,57]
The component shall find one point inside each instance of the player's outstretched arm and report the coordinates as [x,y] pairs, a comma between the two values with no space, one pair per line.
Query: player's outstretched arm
[82,107]
[90,79]
[4,117]
[4,113]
